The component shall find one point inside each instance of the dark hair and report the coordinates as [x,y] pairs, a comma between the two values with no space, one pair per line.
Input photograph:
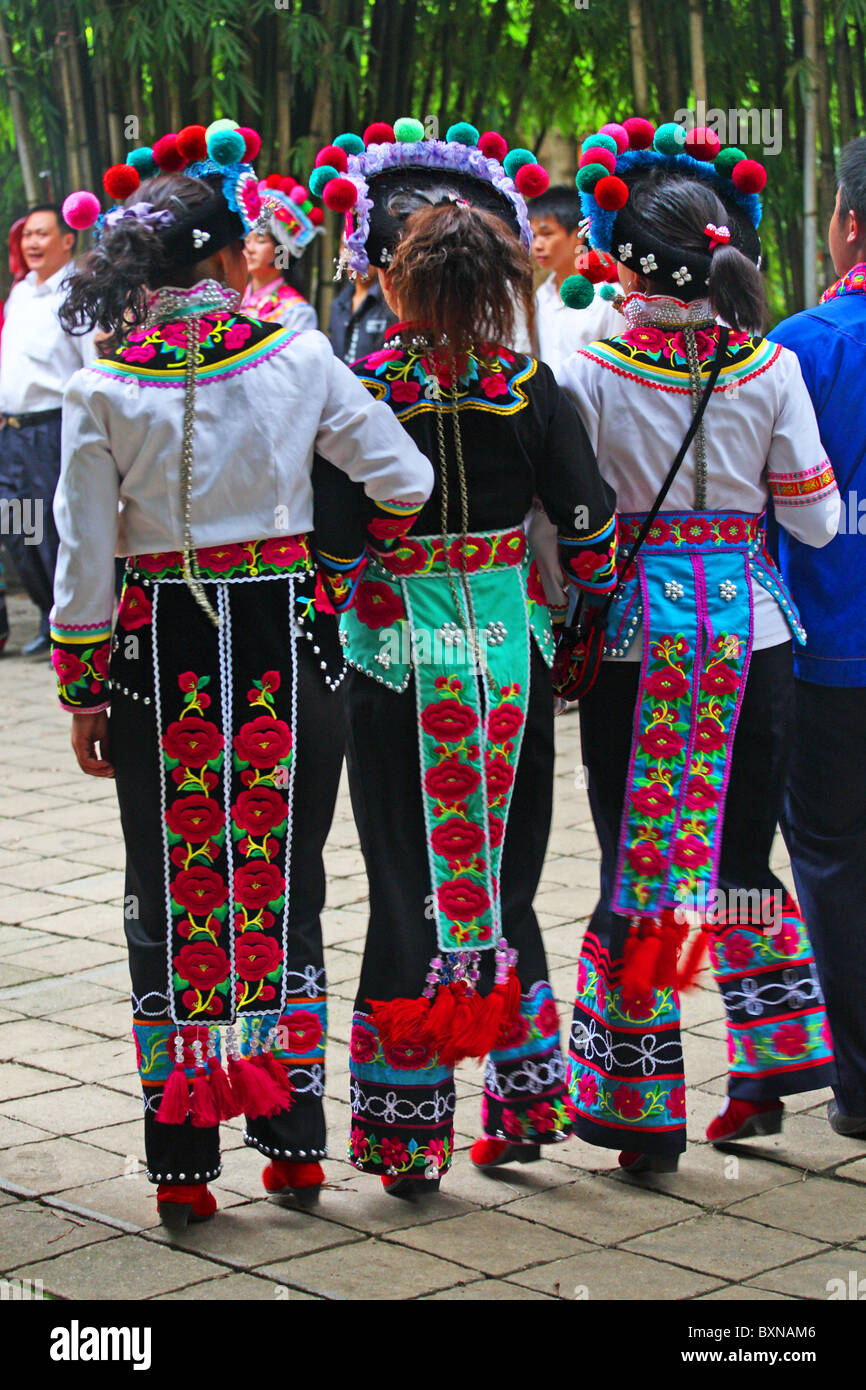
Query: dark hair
[676,210]
[110,286]
[852,179]
[462,274]
[63,227]
[561,204]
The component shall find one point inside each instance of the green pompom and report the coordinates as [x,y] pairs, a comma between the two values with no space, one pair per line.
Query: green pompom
[576,292]
[462,133]
[408,131]
[222,124]
[226,146]
[515,159]
[352,144]
[607,142]
[726,159]
[320,176]
[589,175]
[608,290]
[143,162]
[670,138]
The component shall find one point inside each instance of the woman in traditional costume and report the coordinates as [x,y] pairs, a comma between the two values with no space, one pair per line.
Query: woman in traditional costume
[686,732]
[449,701]
[222,673]
[273,255]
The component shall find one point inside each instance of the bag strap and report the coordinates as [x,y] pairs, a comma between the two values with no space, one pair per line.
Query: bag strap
[718,363]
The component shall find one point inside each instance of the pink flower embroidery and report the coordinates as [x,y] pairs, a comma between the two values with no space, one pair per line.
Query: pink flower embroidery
[405,390]
[791,1040]
[587,1089]
[375,359]
[738,951]
[237,335]
[142,353]
[627,1102]
[494,386]
[677,1103]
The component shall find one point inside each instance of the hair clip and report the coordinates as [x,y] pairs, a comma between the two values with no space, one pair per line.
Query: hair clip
[719,236]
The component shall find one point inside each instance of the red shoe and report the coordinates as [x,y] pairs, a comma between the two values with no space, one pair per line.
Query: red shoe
[303,1180]
[743,1119]
[183,1205]
[648,1163]
[493,1153]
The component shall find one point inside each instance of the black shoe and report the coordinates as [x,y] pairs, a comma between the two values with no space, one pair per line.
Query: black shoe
[411,1188]
[648,1163]
[853,1126]
[38,648]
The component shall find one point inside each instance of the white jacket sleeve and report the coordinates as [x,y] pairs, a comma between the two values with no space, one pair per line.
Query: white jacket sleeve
[799,474]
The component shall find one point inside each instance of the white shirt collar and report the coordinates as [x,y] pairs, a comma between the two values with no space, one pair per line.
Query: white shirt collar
[53,283]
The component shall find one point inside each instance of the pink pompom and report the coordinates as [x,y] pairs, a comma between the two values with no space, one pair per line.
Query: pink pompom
[599,154]
[703,143]
[120,180]
[316,216]
[749,176]
[334,155]
[340,195]
[80,210]
[167,155]
[298,193]
[379,133]
[531,180]
[252,143]
[640,132]
[618,133]
[611,193]
[492,145]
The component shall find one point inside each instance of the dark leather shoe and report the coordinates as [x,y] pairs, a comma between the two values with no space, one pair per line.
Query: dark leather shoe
[854,1126]
[39,647]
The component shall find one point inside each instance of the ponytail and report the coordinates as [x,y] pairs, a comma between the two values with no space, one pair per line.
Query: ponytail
[736,289]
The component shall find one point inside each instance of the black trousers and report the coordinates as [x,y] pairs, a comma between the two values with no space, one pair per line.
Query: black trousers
[29,470]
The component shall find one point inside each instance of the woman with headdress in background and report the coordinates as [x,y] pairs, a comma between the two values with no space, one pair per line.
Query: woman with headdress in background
[278,288]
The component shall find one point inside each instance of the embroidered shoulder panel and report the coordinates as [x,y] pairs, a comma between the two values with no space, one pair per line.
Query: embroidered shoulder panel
[657,357]
[401,378]
[228,343]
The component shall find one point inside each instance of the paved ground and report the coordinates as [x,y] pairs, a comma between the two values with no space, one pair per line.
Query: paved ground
[779,1218]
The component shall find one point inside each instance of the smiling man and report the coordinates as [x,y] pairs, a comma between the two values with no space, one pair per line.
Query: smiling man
[555,219]
[37,360]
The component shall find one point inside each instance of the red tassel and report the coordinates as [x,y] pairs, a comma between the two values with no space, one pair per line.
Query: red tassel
[253,1089]
[174,1106]
[673,937]
[464,1028]
[694,959]
[203,1110]
[400,1020]
[639,971]
[222,1091]
[268,1062]
[504,1011]
[440,1023]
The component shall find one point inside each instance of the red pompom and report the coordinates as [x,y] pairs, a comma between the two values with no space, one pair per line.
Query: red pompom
[598,154]
[640,132]
[749,176]
[316,216]
[252,143]
[119,181]
[340,195]
[703,143]
[286,185]
[334,155]
[167,154]
[595,265]
[191,143]
[379,133]
[274,181]
[492,145]
[531,180]
[611,193]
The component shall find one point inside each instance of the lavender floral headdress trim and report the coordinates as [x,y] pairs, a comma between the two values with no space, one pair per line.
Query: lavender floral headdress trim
[139,212]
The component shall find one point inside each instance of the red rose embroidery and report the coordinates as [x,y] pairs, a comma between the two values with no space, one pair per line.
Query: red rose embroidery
[587,1090]
[690,852]
[263,741]
[388,528]
[408,1056]
[677,1102]
[791,1040]
[199,889]
[500,776]
[700,794]
[587,562]
[477,552]
[221,558]
[192,741]
[194,818]
[135,609]
[457,839]
[377,604]
[720,680]
[534,586]
[258,883]
[503,723]
[362,1045]
[394,1153]
[709,736]
[259,810]
[646,338]
[99,660]
[358,1142]
[658,534]
[304,1029]
[653,801]
[448,720]
[158,561]
[256,955]
[733,529]
[738,951]
[405,390]
[203,964]
[696,530]
[661,742]
[628,1102]
[547,1018]
[542,1117]
[496,831]
[493,386]
[282,551]
[516,1034]
[68,667]
[646,859]
[667,684]
[451,781]
[461,901]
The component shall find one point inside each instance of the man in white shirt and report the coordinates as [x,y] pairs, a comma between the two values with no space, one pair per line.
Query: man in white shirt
[555,218]
[37,360]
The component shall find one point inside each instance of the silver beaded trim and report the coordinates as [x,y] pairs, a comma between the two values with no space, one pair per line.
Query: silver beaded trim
[184,1177]
[254,1143]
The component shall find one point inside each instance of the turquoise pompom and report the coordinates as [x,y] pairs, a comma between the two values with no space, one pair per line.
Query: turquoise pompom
[726,159]
[670,138]
[607,142]
[608,290]
[462,133]
[576,292]
[408,131]
[226,146]
[515,159]
[143,162]
[352,144]
[589,175]
[320,176]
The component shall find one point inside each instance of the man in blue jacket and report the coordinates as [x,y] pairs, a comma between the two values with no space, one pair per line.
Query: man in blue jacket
[825,813]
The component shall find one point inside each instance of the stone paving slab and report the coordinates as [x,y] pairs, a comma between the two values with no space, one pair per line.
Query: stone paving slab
[122,1266]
